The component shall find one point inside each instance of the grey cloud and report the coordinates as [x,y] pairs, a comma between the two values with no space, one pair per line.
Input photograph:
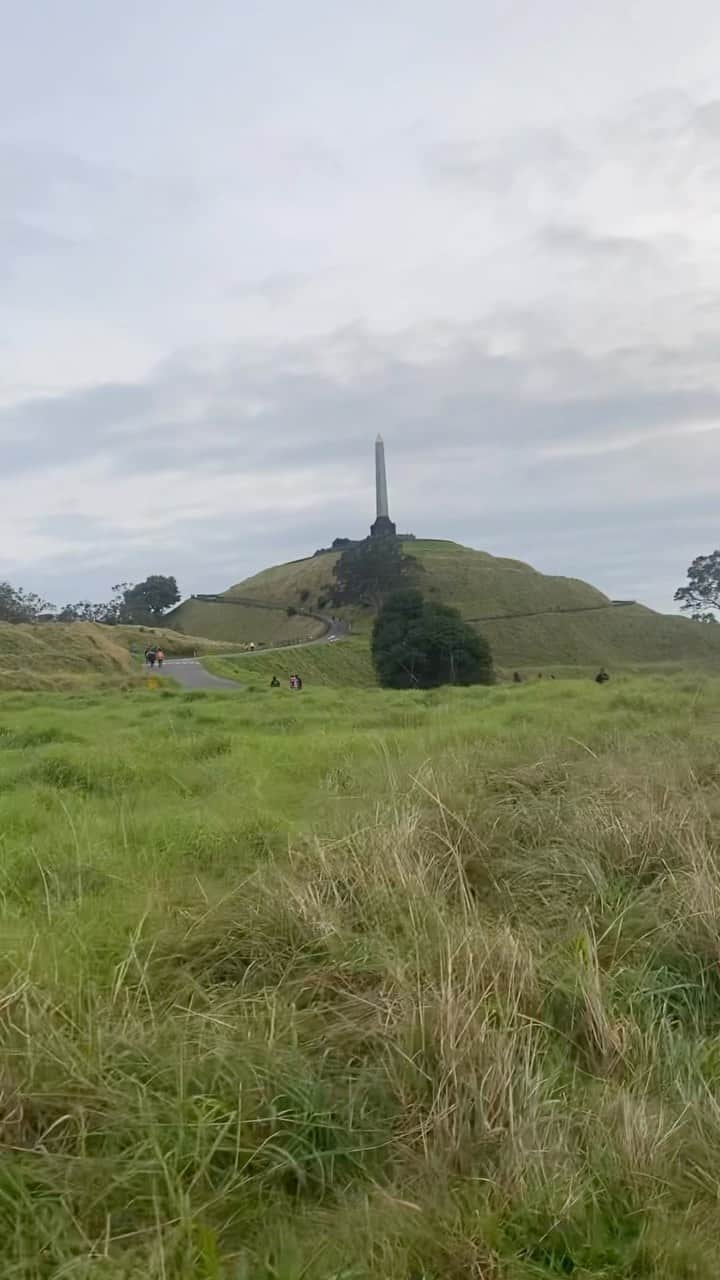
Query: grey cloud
[277,288]
[18,236]
[286,404]
[543,156]
[21,240]
[707,118]
[48,183]
[582,243]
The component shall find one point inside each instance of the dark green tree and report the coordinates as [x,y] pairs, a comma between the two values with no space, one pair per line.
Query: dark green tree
[368,572]
[417,644]
[701,595]
[147,601]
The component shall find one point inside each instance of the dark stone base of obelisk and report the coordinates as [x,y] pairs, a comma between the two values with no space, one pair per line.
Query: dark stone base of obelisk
[383,528]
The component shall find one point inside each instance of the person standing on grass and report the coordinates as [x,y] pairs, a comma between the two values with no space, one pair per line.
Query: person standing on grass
[274,683]
[602,676]
[160,656]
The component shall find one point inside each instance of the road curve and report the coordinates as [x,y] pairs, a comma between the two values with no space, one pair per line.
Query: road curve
[191,674]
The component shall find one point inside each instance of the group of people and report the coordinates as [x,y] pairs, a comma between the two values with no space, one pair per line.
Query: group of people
[602,677]
[154,655]
[295,682]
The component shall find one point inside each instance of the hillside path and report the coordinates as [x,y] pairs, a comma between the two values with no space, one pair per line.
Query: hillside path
[191,674]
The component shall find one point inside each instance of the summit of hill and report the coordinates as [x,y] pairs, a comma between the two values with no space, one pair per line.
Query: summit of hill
[530,618]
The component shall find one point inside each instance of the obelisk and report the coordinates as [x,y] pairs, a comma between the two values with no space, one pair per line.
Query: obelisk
[383,526]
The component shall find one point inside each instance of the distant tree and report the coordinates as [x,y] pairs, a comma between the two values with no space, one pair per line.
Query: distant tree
[146,601]
[368,572]
[17,605]
[108,611]
[701,596]
[86,611]
[141,603]
[419,644]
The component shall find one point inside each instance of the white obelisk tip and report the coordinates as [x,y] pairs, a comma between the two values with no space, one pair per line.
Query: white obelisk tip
[380,479]
[379,439]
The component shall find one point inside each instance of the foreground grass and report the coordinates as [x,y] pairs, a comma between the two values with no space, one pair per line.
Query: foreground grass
[356,984]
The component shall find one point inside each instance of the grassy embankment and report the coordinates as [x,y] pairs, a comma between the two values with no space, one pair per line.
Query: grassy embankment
[60,657]
[345,985]
[242,624]
[54,656]
[345,664]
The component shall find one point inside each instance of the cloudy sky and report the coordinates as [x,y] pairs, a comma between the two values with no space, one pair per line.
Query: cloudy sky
[238,239]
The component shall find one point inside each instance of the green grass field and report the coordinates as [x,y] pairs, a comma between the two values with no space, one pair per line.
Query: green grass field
[351,984]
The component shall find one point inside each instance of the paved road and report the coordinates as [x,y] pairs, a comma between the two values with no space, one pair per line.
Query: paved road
[191,674]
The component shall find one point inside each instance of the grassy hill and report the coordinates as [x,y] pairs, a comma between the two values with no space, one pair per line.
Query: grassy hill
[531,619]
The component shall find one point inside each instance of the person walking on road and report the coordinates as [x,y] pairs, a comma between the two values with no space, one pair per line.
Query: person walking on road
[160,658]
[151,655]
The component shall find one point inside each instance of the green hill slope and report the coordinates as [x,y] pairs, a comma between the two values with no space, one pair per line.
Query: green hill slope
[530,618]
[241,624]
[620,637]
[480,585]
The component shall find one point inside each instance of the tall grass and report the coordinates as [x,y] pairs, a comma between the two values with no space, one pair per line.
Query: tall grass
[361,984]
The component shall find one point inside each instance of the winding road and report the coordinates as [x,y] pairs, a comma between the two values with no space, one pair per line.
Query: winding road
[191,674]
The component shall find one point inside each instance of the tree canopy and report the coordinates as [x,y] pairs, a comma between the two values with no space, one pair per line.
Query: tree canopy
[148,600]
[369,571]
[144,602]
[701,595]
[17,605]
[418,644]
